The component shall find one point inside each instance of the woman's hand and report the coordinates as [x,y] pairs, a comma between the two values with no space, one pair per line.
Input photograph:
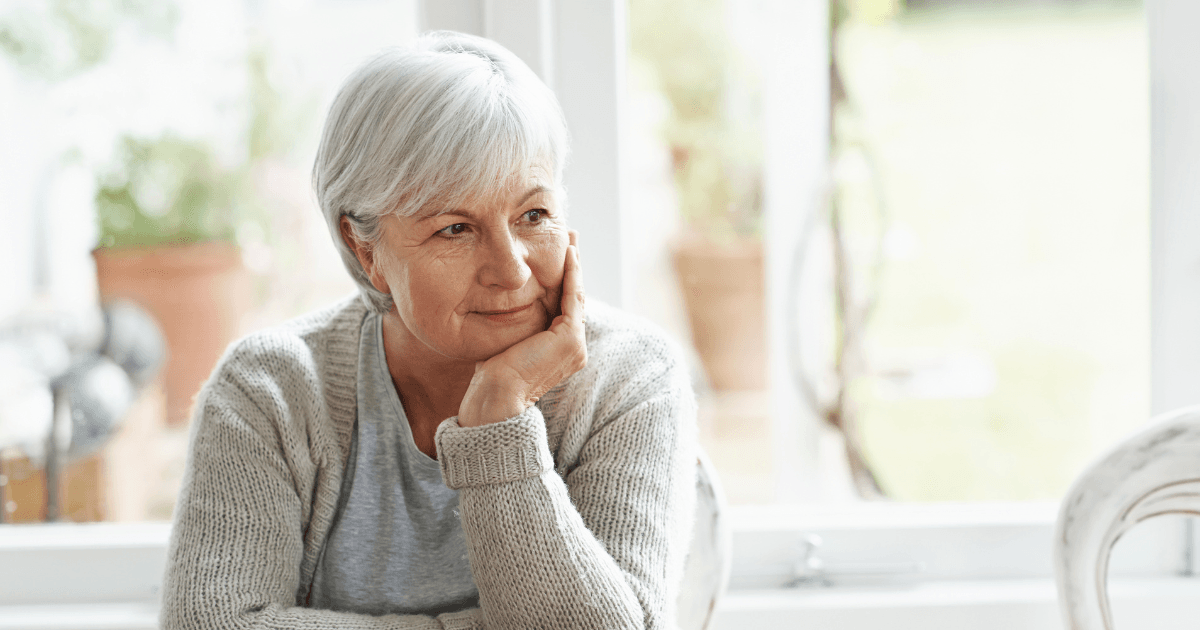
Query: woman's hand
[508,383]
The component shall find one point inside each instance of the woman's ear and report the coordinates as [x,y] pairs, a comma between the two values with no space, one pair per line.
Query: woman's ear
[364,253]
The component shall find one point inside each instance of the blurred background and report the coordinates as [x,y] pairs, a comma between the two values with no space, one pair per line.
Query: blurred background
[971,299]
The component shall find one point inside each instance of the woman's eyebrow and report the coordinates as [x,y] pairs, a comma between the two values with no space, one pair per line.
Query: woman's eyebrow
[434,214]
[433,211]
[536,190]
[440,211]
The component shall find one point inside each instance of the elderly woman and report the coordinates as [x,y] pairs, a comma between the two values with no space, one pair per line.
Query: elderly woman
[465,444]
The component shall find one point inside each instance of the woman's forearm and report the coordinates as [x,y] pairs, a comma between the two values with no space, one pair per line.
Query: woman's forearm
[536,563]
[599,552]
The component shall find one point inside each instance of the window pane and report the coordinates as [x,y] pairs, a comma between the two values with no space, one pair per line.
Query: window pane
[1011,340]
[993,159]
[230,122]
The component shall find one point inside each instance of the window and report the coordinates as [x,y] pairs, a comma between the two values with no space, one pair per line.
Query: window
[989,168]
[823,563]
[937,431]
[127,93]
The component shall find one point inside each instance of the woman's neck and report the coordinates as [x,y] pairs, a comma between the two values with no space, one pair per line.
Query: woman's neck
[430,385]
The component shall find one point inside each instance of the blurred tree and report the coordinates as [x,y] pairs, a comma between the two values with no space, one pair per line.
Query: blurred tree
[55,39]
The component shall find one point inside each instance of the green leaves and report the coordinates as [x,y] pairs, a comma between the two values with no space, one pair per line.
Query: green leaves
[167,190]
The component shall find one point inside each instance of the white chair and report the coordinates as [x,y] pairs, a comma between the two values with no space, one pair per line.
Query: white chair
[1155,472]
[706,570]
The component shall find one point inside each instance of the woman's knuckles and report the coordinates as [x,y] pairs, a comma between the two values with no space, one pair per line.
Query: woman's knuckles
[529,369]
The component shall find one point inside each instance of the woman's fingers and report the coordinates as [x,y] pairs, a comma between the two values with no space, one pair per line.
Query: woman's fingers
[572,293]
[519,376]
[571,346]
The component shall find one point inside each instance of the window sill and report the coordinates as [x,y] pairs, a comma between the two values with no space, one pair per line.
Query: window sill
[1029,604]
[980,566]
[990,605]
[118,616]
[63,564]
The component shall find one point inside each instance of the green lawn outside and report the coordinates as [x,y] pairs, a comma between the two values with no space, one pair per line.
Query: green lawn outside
[1013,152]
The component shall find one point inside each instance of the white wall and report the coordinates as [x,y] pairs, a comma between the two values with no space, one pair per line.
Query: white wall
[1174,203]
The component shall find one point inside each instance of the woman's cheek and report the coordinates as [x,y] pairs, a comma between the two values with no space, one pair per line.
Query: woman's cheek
[551,254]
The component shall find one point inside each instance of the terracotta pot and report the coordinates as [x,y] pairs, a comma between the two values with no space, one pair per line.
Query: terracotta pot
[723,287]
[198,293]
[81,493]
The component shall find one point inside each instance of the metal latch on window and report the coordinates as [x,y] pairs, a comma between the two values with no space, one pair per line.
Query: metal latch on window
[811,571]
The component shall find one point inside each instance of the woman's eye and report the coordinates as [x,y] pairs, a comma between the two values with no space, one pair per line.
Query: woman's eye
[535,216]
[454,230]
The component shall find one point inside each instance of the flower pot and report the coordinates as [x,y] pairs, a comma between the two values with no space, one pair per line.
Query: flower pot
[723,288]
[81,491]
[198,293]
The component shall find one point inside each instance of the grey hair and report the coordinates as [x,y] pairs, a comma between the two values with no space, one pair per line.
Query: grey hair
[452,117]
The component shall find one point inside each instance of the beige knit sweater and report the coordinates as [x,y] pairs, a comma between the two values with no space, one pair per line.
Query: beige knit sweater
[577,512]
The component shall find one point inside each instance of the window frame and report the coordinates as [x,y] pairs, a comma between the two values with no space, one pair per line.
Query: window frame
[984,565]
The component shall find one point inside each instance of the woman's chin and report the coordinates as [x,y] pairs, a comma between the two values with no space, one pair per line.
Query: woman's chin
[490,336]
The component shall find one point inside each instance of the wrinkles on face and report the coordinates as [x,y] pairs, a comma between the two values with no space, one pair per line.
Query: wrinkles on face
[454,274]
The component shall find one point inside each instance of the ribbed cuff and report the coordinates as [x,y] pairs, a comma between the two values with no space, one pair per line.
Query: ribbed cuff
[493,453]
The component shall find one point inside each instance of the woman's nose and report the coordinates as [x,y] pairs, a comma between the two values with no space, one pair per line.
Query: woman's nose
[505,264]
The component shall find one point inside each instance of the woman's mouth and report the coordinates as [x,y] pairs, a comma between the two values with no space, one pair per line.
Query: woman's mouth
[506,316]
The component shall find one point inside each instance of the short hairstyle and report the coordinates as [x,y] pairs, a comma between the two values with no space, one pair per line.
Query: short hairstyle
[450,118]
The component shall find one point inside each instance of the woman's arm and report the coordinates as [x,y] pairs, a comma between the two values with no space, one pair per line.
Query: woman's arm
[238,539]
[604,549]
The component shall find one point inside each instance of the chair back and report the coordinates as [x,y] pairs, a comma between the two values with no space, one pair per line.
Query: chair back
[706,570]
[1155,472]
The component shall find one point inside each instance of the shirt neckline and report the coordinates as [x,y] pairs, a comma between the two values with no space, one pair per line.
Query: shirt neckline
[418,457]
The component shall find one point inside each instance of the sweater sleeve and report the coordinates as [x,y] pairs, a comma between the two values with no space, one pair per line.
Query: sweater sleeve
[603,548]
[238,536]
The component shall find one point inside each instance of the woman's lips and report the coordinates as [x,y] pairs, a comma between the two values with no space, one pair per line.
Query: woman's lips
[507,315]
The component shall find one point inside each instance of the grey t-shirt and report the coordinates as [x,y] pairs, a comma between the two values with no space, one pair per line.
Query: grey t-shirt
[397,544]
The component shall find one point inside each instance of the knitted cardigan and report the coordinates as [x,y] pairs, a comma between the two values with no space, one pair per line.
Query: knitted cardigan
[577,512]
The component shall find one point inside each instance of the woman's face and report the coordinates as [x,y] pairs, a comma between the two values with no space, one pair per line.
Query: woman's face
[470,281]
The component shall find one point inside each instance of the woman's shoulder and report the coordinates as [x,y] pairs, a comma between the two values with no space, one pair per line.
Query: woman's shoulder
[635,387]
[320,327]
[293,384]
[305,352]
[611,330]
[625,350]
[304,338]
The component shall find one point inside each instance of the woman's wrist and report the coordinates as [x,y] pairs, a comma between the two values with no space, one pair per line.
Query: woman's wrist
[513,450]
[490,400]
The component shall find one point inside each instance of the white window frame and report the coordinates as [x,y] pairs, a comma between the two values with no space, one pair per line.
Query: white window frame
[878,565]
[67,576]
[985,566]
[1174,204]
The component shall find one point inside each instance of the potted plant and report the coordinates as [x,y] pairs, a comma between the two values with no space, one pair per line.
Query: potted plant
[713,132]
[166,211]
